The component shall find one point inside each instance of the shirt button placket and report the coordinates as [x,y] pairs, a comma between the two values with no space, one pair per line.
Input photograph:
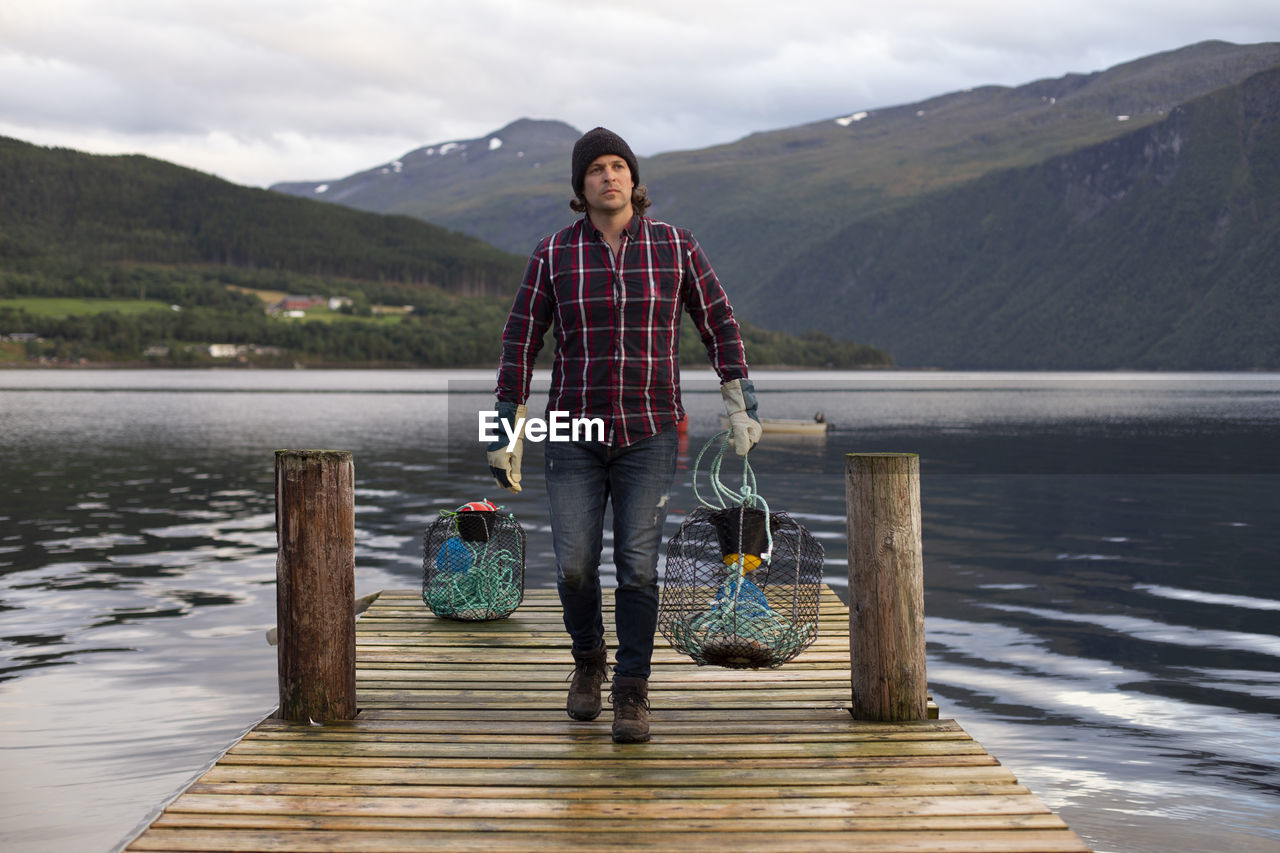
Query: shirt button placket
[619,298]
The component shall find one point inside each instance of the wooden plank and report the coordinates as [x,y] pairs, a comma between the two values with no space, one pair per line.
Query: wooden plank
[600,825]
[635,766]
[490,839]
[503,723]
[411,773]
[568,807]
[581,750]
[726,716]
[529,734]
[902,785]
[461,743]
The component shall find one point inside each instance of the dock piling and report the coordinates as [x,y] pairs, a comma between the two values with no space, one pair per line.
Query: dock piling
[886,587]
[315,585]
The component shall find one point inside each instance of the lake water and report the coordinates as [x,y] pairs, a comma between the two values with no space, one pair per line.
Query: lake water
[1102,566]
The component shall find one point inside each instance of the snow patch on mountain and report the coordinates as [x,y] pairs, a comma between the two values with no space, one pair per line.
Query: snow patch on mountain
[850,119]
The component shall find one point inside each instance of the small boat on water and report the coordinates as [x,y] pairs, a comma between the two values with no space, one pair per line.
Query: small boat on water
[817,425]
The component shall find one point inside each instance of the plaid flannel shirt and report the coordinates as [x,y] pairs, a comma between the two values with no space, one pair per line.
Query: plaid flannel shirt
[617,325]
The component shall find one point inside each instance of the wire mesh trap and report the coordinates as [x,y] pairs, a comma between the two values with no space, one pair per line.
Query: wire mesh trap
[473,563]
[742,583]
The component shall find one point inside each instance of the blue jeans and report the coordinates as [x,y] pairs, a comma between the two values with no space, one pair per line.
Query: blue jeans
[581,477]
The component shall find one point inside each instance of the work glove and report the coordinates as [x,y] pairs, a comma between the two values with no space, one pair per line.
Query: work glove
[504,464]
[740,405]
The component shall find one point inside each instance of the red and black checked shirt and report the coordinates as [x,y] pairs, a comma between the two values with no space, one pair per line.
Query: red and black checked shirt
[617,325]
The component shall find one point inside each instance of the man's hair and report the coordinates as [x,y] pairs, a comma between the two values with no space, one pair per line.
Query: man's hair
[639,201]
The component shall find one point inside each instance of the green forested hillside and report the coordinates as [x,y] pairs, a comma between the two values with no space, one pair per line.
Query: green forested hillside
[124,228]
[61,204]
[129,259]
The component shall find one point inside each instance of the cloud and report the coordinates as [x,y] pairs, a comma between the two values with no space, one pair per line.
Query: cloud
[283,89]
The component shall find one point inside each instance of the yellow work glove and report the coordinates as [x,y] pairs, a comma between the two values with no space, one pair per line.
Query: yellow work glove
[740,405]
[504,453]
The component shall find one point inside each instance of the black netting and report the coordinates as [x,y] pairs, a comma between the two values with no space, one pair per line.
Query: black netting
[729,600]
[473,565]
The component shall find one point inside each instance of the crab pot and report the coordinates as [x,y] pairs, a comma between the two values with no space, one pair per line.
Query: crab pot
[473,565]
[727,608]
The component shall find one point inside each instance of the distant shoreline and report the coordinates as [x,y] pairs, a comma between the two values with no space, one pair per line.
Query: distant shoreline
[133,365]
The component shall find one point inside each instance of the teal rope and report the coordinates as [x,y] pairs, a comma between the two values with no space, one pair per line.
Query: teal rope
[727,497]
[720,631]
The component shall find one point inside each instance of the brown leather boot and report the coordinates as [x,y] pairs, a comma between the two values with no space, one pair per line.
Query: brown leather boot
[589,670]
[630,700]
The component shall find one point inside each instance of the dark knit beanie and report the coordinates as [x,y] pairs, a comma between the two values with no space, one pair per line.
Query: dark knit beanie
[595,143]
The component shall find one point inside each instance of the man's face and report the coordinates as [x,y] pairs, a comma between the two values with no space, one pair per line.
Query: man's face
[607,185]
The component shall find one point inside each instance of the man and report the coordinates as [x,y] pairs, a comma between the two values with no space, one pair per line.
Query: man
[614,284]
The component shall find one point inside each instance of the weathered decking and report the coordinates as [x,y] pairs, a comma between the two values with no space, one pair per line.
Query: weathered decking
[462,743]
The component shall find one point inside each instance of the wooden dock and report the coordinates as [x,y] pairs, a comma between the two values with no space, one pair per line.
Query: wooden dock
[462,743]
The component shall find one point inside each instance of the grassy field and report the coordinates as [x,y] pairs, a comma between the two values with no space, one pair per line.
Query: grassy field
[324,315]
[12,353]
[70,307]
[381,314]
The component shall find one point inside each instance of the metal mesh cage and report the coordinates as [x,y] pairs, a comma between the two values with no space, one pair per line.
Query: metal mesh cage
[730,600]
[473,565]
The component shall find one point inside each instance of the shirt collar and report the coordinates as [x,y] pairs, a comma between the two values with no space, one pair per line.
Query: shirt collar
[632,230]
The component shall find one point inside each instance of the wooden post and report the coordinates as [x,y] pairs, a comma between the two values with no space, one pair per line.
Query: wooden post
[315,584]
[886,587]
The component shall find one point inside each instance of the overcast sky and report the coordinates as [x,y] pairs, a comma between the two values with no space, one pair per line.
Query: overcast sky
[259,91]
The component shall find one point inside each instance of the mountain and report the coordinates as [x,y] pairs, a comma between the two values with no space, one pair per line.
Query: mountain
[510,186]
[73,206]
[1157,249]
[878,212]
